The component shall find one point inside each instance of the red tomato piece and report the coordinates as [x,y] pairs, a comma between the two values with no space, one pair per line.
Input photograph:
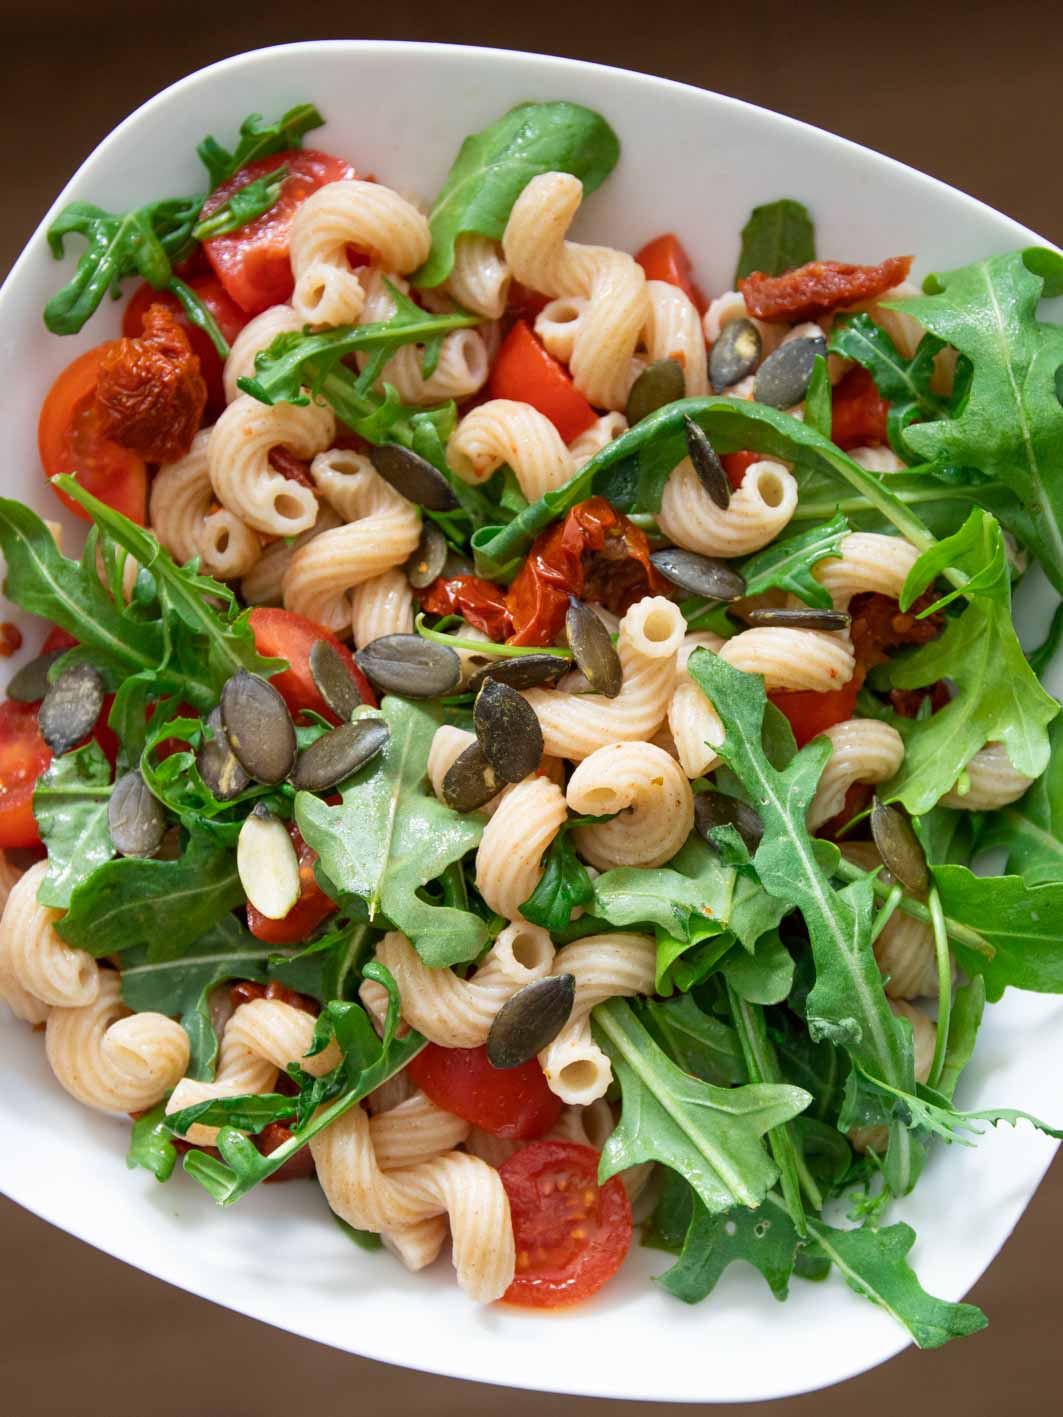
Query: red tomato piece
[571,1234]
[150,391]
[509,1102]
[666,259]
[57,638]
[858,411]
[523,303]
[252,262]
[480,602]
[524,371]
[71,440]
[281,634]
[812,713]
[736,465]
[229,317]
[811,290]
[308,911]
[24,755]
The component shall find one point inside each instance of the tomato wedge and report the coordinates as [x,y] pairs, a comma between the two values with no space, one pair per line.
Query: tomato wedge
[812,713]
[308,911]
[281,634]
[736,465]
[665,258]
[524,371]
[858,411]
[24,755]
[252,262]
[227,314]
[70,440]
[570,1233]
[510,1102]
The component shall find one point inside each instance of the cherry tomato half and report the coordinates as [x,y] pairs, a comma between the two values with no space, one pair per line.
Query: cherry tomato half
[524,371]
[858,411]
[308,911]
[571,1234]
[666,259]
[227,314]
[281,634]
[24,755]
[510,1102]
[811,713]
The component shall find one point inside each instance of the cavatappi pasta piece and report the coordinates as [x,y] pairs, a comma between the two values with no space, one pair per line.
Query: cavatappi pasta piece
[110,1058]
[479,279]
[868,562]
[452,1183]
[367,215]
[673,331]
[877,459]
[264,583]
[924,1032]
[903,330]
[693,724]
[611,282]
[862,750]
[182,499]
[463,363]
[599,435]
[381,606]
[414,1131]
[496,1151]
[904,947]
[382,530]
[575,725]
[992,782]
[731,305]
[603,966]
[244,480]
[505,431]
[448,744]
[758,512]
[33,956]
[258,334]
[793,659]
[650,795]
[241,1071]
[509,857]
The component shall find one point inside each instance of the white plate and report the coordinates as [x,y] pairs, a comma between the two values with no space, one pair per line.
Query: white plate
[694,163]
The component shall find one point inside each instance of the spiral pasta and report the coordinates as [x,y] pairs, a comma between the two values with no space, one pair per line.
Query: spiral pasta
[479,279]
[862,750]
[693,724]
[188,524]
[650,795]
[264,583]
[258,334]
[673,331]
[731,305]
[381,606]
[868,562]
[244,480]
[505,431]
[924,1032]
[758,511]
[463,363]
[992,782]
[793,659]
[34,960]
[592,440]
[508,859]
[904,947]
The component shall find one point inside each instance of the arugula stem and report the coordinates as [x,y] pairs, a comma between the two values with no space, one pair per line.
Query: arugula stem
[962,934]
[199,314]
[885,913]
[485,646]
[944,963]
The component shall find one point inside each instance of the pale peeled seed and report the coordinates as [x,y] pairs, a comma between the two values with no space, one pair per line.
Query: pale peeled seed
[267,865]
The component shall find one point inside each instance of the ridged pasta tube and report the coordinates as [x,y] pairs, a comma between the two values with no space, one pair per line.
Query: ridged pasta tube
[694,725]
[258,334]
[992,782]
[241,474]
[758,512]
[264,583]
[604,966]
[868,562]
[479,279]
[793,659]
[651,797]
[381,606]
[509,857]
[731,305]
[413,1131]
[611,282]
[877,458]
[367,215]
[599,435]
[862,750]
[904,947]
[575,725]
[673,331]
[35,958]
[505,431]
[112,1059]
[463,363]
[187,523]
[240,1072]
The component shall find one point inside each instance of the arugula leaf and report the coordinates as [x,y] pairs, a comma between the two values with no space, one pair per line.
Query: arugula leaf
[777,237]
[818,408]
[710,1135]
[905,383]
[763,1238]
[818,1066]
[765,976]
[245,205]
[329,967]
[494,166]
[258,139]
[968,1005]
[364,1239]
[694,890]
[151,1145]
[1019,921]
[70,804]
[564,884]
[788,565]
[701,1045]
[1031,830]
[391,836]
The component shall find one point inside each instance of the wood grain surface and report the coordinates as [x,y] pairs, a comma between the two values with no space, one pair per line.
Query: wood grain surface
[967,92]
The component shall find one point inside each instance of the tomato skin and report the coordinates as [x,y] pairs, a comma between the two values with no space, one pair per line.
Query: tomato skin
[24,755]
[57,638]
[858,411]
[252,262]
[665,258]
[282,634]
[308,911]
[811,713]
[736,465]
[514,1102]
[571,1234]
[70,440]
[524,371]
[230,320]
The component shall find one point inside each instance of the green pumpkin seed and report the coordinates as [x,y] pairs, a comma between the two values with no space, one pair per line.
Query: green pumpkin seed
[660,383]
[524,671]
[413,476]
[30,684]
[900,849]
[706,464]
[530,1020]
[71,707]
[258,726]
[700,575]
[135,818]
[783,378]
[409,665]
[470,781]
[715,809]
[799,618]
[429,557]
[735,354]
[334,681]
[218,765]
[507,730]
[456,565]
[338,754]
[593,649]
[267,864]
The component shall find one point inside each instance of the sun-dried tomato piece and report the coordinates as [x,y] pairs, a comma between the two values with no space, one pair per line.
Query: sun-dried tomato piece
[909,702]
[880,626]
[297,1167]
[150,393]
[285,462]
[10,639]
[808,291]
[481,603]
[245,990]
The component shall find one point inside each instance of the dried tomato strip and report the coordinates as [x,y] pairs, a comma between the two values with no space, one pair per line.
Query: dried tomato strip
[480,603]
[808,291]
[150,391]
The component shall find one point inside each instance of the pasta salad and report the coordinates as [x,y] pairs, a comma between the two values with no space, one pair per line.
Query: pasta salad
[513,747]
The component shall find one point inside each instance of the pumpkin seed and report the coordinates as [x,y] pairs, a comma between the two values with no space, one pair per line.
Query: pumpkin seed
[735,354]
[413,476]
[799,618]
[456,565]
[336,755]
[593,649]
[706,464]
[470,781]
[30,684]
[715,809]
[507,730]
[409,665]
[218,765]
[530,1020]
[135,818]
[700,575]
[333,679]
[782,380]
[523,671]
[900,849]
[71,707]
[429,557]
[258,726]
[267,864]
[660,383]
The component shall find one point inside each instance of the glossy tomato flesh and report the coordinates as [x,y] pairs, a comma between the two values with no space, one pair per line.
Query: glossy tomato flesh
[510,1102]
[308,911]
[24,755]
[666,259]
[524,371]
[281,634]
[811,714]
[227,314]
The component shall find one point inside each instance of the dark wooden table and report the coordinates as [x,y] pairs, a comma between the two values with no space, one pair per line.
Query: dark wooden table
[965,91]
